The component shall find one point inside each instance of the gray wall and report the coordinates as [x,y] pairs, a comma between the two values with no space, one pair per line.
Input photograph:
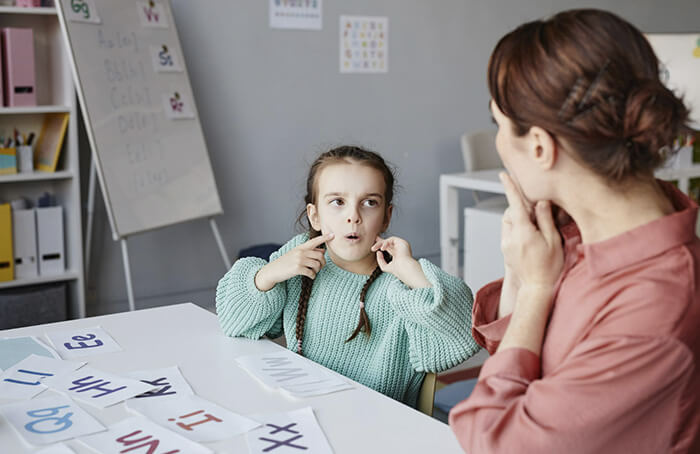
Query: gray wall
[271,100]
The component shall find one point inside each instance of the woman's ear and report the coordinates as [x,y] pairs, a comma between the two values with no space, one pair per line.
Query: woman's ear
[543,148]
[387,218]
[312,214]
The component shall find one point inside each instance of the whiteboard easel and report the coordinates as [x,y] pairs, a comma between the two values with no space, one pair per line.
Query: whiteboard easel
[148,148]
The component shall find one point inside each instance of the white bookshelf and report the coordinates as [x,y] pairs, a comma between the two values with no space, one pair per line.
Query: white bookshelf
[55,93]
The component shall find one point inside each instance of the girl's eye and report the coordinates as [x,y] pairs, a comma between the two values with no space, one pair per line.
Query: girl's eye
[370,203]
[336,202]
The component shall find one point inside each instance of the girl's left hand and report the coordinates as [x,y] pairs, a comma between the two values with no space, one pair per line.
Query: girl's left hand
[402,264]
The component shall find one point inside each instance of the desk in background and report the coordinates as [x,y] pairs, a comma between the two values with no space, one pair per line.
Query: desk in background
[357,420]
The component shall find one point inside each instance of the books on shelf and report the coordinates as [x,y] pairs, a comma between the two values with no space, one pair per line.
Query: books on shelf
[50,141]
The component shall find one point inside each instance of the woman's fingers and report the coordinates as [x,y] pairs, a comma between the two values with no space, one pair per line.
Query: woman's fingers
[516,202]
[545,222]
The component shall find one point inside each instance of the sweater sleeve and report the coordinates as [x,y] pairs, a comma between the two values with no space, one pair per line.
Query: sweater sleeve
[437,319]
[589,403]
[245,311]
[487,329]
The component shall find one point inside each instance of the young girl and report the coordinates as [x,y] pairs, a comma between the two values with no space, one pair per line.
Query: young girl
[383,322]
[594,339]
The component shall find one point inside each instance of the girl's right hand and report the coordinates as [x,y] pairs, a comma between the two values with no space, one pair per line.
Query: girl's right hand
[307,259]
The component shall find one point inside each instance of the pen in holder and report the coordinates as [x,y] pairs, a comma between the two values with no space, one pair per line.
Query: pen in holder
[25,158]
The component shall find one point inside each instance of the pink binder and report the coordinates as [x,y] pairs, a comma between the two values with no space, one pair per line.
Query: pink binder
[18,67]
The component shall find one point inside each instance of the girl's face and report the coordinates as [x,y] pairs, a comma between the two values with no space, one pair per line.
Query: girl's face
[350,202]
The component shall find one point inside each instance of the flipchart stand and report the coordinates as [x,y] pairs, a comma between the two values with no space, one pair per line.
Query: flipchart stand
[90,209]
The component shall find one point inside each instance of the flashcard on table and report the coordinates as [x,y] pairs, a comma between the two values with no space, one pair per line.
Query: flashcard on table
[82,11]
[50,419]
[293,431]
[138,432]
[168,382]
[152,14]
[95,387]
[79,342]
[193,417]
[56,449]
[364,44]
[165,59]
[15,349]
[24,379]
[296,14]
[295,375]
[177,106]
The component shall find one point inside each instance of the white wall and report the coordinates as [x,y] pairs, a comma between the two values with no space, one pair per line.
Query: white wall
[271,100]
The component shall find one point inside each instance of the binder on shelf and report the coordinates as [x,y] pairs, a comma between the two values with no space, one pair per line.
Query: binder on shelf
[18,66]
[8,161]
[24,233]
[50,141]
[49,226]
[7,268]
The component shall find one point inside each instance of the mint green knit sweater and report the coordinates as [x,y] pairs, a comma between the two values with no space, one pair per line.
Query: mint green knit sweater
[414,331]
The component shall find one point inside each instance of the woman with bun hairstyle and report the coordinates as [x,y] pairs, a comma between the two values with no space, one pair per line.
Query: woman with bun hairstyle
[594,332]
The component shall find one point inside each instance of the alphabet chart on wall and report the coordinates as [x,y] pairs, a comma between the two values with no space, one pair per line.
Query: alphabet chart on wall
[296,14]
[364,44]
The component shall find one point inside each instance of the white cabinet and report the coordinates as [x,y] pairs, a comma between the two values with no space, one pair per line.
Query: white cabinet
[55,93]
[483,260]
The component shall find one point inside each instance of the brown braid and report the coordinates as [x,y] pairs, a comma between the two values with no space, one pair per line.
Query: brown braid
[364,319]
[343,154]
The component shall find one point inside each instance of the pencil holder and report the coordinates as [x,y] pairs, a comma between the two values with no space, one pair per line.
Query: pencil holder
[25,158]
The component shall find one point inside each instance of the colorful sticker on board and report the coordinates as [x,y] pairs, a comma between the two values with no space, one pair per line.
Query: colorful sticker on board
[176,106]
[296,14]
[79,342]
[81,11]
[138,434]
[294,431]
[152,14]
[193,417]
[51,419]
[25,379]
[165,59]
[95,387]
[364,44]
[696,51]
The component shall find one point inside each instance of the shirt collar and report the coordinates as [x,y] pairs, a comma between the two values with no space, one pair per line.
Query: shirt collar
[641,242]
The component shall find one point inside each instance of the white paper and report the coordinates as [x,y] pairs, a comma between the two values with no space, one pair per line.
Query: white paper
[80,342]
[176,106]
[293,431]
[56,449]
[15,349]
[24,379]
[364,44]
[168,382]
[95,387]
[81,11]
[140,435]
[50,419]
[290,373]
[296,14]
[152,14]
[193,417]
[165,59]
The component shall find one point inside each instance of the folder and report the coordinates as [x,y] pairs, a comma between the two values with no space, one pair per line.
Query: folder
[49,227]
[8,161]
[18,66]
[7,268]
[24,233]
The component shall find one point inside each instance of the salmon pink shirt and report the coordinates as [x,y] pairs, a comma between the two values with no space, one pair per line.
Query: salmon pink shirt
[619,370]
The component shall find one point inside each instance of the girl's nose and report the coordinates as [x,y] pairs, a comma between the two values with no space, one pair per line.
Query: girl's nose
[354,218]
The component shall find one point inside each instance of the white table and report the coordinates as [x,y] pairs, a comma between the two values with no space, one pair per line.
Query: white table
[357,420]
[479,180]
[680,170]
